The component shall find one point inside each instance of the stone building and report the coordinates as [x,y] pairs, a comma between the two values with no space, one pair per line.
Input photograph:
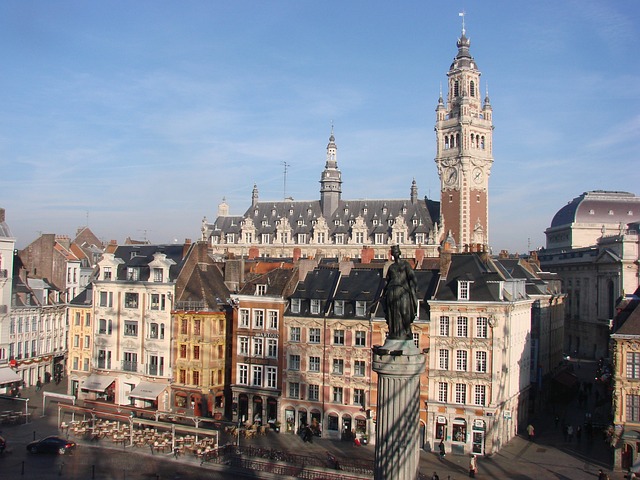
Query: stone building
[592,245]
[200,317]
[133,297]
[257,344]
[480,353]
[80,342]
[625,356]
[7,246]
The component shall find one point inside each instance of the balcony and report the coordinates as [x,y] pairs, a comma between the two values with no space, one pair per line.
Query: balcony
[129,366]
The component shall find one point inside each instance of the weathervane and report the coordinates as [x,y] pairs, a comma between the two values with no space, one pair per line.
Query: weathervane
[461,14]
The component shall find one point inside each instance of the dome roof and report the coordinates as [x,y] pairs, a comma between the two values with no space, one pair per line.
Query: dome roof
[463,58]
[600,207]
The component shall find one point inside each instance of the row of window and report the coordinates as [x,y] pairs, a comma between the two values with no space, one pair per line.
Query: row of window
[315,307]
[257,375]
[313,365]
[258,347]
[24,325]
[338,394]
[245,319]
[359,336]
[195,377]
[196,351]
[452,141]
[155,301]
[461,327]
[133,273]
[78,319]
[129,363]
[154,331]
[398,237]
[461,360]
[460,394]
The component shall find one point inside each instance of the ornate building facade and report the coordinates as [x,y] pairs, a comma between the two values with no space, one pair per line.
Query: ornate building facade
[329,227]
[464,139]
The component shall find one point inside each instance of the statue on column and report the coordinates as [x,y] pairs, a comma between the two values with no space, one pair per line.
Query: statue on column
[401,302]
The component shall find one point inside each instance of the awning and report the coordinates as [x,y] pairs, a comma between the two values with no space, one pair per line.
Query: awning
[147,390]
[8,376]
[97,383]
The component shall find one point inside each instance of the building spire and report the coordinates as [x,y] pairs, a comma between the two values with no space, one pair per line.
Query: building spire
[461,14]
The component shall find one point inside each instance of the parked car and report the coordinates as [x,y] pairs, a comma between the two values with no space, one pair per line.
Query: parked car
[52,444]
[3,444]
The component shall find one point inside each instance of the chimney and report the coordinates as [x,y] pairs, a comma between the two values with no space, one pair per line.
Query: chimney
[445,260]
[254,253]
[419,257]
[297,253]
[185,247]
[366,255]
[2,215]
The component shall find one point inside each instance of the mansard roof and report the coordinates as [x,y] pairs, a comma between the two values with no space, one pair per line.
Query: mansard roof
[302,215]
[627,319]
[483,274]
[139,256]
[204,290]
[599,207]
[278,282]
[84,298]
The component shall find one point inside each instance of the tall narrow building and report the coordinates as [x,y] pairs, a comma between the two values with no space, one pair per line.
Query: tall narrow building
[464,134]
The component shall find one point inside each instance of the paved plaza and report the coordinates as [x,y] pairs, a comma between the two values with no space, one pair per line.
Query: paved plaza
[549,456]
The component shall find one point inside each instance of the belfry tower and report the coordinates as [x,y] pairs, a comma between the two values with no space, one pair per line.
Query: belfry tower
[464,135]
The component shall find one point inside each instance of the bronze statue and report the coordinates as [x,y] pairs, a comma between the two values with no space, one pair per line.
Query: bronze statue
[401,302]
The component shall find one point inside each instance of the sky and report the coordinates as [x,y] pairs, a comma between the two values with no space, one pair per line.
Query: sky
[138,118]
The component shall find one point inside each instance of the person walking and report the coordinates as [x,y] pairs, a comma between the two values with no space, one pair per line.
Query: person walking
[441,447]
[435,476]
[531,432]
[39,384]
[473,466]
[570,433]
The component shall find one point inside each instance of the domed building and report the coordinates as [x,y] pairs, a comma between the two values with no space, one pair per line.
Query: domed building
[592,244]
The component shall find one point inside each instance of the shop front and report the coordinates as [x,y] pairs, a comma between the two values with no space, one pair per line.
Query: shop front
[99,387]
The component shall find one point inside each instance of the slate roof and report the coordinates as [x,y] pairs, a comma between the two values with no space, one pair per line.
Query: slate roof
[84,298]
[627,318]
[140,255]
[278,282]
[319,284]
[484,276]
[204,290]
[601,203]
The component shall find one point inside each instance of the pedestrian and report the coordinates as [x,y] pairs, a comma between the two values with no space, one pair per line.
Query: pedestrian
[602,475]
[441,447]
[473,466]
[556,420]
[578,433]
[569,433]
[435,476]
[531,432]
[39,384]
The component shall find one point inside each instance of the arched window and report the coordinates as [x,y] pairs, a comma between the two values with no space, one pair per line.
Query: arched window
[446,142]
[457,139]
[482,142]
[456,89]
[473,140]
[472,89]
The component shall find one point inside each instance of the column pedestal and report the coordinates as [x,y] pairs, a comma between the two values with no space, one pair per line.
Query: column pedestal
[398,364]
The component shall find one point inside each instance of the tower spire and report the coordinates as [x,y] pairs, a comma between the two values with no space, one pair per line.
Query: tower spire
[461,14]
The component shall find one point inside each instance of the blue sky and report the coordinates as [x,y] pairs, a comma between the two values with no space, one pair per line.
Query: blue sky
[139,117]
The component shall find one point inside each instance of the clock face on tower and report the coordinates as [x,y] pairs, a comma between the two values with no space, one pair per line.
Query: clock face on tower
[478,175]
[450,176]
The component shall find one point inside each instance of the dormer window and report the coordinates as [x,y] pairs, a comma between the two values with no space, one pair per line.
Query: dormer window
[463,289]
[158,275]
[361,308]
[364,210]
[255,212]
[106,273]
[261,289]
[295,305]
[338,307]
[291,211]
[133,274]
[273,211]
[300,222]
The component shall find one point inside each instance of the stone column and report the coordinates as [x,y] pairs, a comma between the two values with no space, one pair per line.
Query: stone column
[398,364]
